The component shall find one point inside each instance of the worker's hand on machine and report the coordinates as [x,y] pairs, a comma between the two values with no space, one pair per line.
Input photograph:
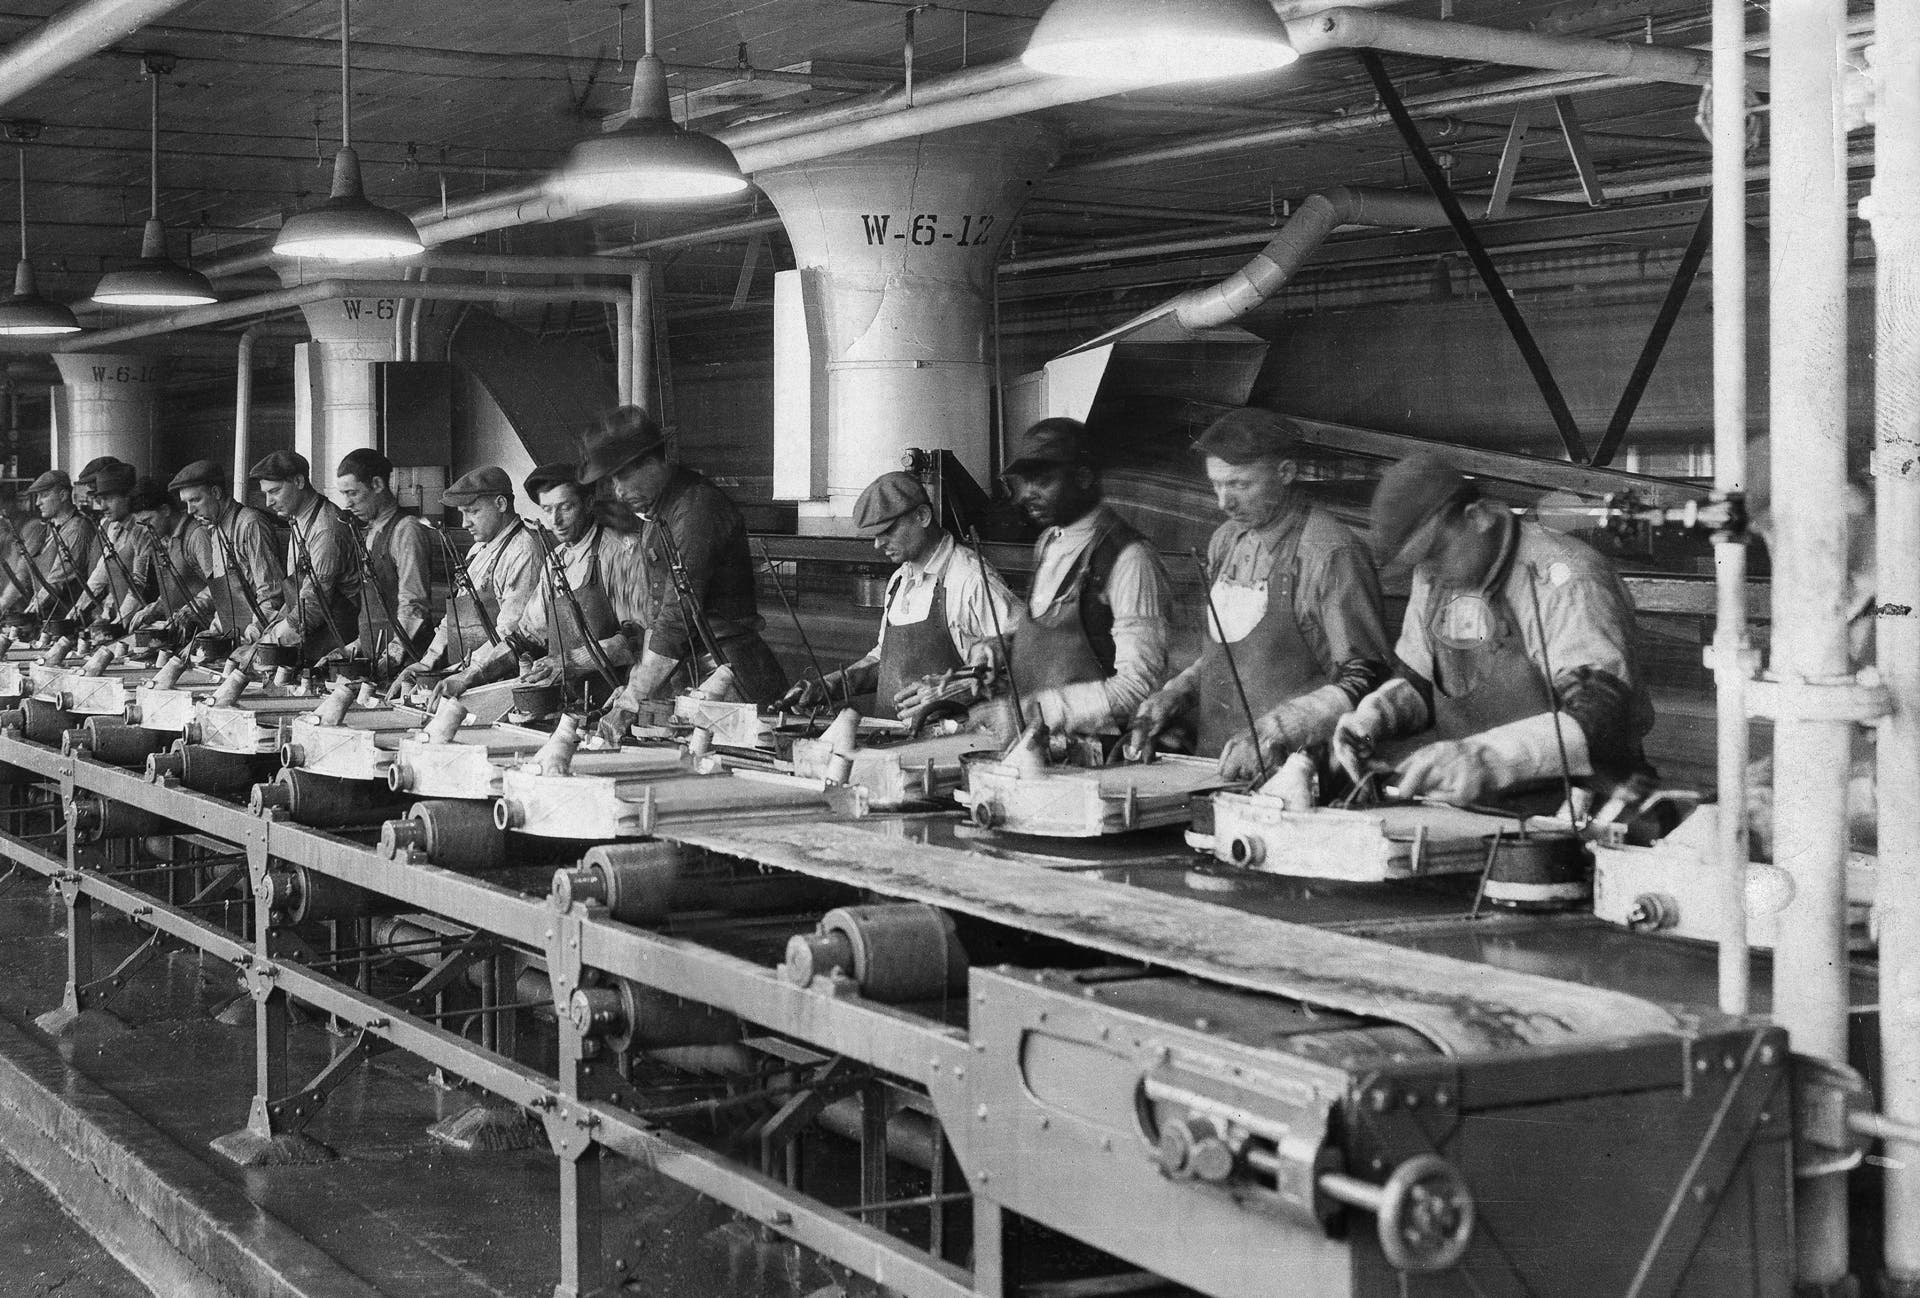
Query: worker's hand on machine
[1352,746]
[281,633]
[614,725]
[542,671]
[1452,770]
[1251,754]
[404,680]
[805,694]
[450,686]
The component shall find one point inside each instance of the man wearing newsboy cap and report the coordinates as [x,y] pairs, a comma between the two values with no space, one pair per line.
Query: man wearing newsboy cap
[943,604]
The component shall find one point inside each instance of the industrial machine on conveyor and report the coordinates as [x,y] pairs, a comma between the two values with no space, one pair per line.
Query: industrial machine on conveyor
[1169,1072]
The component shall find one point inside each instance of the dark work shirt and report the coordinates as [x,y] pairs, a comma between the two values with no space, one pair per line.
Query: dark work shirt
[712,540]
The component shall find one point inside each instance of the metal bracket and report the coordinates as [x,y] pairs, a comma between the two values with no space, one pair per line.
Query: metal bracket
[1577,149]
[1509,168]
[1801,699]
[291,1113]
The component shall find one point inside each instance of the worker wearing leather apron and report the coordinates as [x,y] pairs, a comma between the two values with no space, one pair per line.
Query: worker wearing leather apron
[688,521]
[1297,603]
[396,554]
[1516,665]
[1092,640]
[242,563]
[945,607]
[585,632]
[321,607]
[181,556]
[504,566]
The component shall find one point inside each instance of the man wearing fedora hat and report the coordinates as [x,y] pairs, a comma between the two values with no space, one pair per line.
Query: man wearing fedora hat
[119,583]
[946,609]
[503,567]
[1092,641]
[68,549]
[1295,620]
[697,566]
[322,605]
[241,568]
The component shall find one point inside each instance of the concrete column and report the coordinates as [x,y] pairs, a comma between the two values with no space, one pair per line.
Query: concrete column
[109,406]
[335,398]
[896,245]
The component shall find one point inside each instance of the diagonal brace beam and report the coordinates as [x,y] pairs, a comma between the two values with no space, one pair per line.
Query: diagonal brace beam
[1477,252]
[1663,323]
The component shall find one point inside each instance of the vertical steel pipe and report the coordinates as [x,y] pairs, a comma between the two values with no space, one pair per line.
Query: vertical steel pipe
[1731,654]
[243,408]
[623,349]
[644,342]
[1807,374]
[1895,211]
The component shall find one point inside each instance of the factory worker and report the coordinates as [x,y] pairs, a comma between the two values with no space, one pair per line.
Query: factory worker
[504,566]
[691,525]
[86,491]
[64,557]
[21,534]
[322,605]
[946,609]
[1516,650]
[122,577]
[180,554]
[1298,605]
[395,552]
[1092,641]
[587,630]
[243,566]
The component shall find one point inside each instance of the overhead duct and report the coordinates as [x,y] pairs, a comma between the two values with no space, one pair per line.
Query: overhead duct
[107,404]
[1184,347]
[67,37]
[895,247]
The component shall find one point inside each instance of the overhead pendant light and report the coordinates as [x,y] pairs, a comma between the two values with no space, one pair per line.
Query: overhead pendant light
[346,226]
[154,280]
[650,159]
[26,314]
[1159,40]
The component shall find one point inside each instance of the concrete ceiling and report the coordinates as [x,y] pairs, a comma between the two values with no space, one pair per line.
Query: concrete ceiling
[453,100]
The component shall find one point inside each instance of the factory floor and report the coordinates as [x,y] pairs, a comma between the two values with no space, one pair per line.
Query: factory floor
[117,1115]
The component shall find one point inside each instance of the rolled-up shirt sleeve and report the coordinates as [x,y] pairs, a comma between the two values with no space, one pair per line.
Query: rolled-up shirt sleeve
[980,611]
[514,581]
[1141,599]
[1340,616]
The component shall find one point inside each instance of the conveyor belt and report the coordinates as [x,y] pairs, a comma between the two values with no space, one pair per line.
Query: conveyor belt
[1462,1008]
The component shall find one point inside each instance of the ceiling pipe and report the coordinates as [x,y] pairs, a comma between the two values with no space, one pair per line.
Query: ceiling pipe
[1318,216]
[328,290]
[1349,28]
[70,36]
[243,405]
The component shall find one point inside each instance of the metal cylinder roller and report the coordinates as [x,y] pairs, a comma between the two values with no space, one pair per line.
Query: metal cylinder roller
[94,818]
[634,881]
[297,895]
[211,770]
[115,742]
[1245,850]
[452,834]
[895,952]
[633,1017]
[324,801]
[39,720]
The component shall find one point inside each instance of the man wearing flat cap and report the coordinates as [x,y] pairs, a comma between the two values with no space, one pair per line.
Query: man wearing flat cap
[583,616]
[395,553]
[502,569]
[1295,610]
[120,582]
[321,610]
[700,598]
[180,555]
[243,583]
[1092,640]
[86,483]
[1516,666]
[946,608]
[69,548]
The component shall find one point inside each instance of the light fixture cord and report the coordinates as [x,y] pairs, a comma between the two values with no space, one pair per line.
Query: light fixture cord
[21,151]
[346,83]
[647,9]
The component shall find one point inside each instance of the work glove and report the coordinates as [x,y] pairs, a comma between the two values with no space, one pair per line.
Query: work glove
[1459,771]
[1249,754]
[451,686]
[1158,711]
[543,671]
[614,724]
[1393,710]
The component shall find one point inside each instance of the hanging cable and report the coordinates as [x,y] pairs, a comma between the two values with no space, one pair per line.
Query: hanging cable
[1219,628]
